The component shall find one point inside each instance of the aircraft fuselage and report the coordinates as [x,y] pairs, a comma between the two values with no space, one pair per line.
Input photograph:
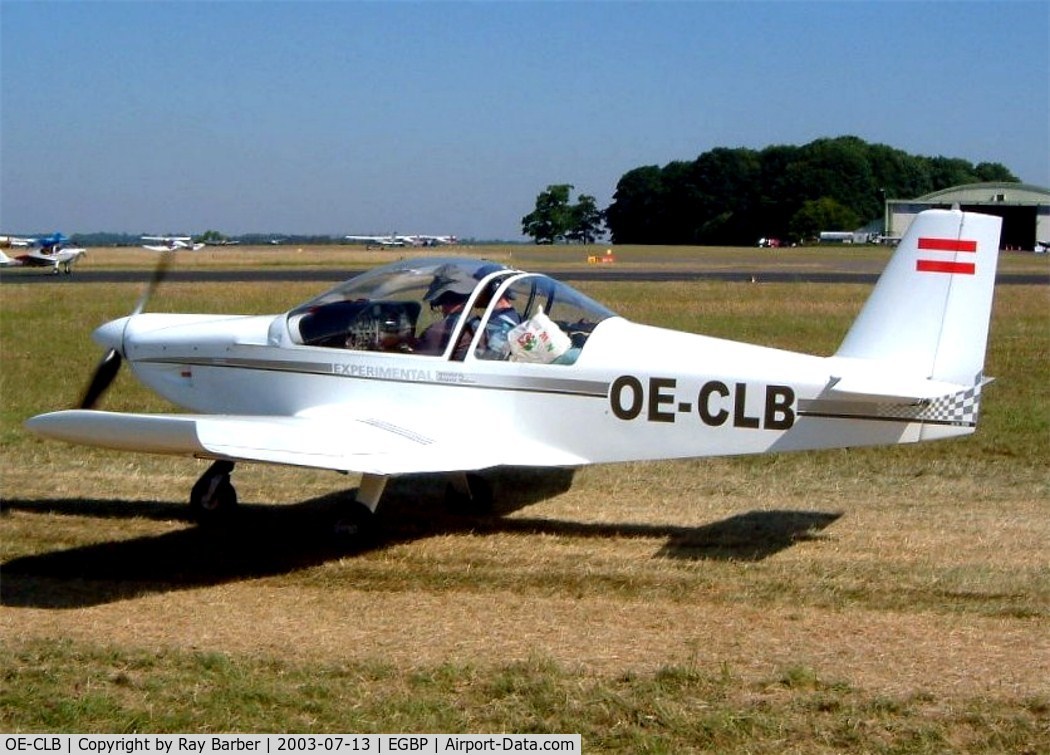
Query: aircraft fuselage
[668,399]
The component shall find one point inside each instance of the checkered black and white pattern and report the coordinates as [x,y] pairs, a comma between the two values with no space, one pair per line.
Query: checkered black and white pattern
[959,408]
[955,409]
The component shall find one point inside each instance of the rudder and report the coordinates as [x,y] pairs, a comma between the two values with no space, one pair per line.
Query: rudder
[929,312]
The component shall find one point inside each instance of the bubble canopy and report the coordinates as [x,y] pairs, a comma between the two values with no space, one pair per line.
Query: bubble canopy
[391,308]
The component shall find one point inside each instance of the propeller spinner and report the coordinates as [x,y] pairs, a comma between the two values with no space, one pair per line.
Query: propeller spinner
[109,365]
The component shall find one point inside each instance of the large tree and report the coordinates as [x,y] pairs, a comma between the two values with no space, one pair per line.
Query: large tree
[586,220]
[735,196]
[636,215]
[824,214]
[555,219]
[550,220]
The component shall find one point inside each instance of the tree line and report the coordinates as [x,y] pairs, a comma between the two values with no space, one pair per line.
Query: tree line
[734,196]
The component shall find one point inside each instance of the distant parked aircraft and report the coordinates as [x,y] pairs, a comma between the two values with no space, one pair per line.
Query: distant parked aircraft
[50,251]
[427,240]
[171,243]
[393,239]
[390,240]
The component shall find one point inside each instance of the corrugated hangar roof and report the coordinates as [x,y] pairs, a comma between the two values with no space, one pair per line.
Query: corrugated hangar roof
[998,192]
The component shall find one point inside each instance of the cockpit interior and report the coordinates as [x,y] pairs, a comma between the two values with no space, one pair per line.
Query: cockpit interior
[455,308]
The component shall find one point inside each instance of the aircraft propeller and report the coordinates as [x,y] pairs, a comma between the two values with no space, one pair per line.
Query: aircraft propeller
[109,365]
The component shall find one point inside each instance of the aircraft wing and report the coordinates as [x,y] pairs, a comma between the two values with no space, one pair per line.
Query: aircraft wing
[350,444]
[172,243]
[381,240]
[36,259]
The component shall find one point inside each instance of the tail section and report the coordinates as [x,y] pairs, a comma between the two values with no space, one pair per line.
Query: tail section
[929,313]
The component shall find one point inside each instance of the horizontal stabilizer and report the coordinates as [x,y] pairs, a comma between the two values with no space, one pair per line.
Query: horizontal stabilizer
[944,409]
[894,390]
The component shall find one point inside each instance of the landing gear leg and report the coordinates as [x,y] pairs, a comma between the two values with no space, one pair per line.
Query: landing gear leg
[213,498]
[355,525]
[468,494]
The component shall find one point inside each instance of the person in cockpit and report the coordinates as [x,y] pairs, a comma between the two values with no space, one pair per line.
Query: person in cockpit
[448,292]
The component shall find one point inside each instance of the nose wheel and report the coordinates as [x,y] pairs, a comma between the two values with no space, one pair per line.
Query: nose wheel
[213,498]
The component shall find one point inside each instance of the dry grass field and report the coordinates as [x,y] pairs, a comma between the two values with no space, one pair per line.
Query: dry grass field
[877,600]
[870,259]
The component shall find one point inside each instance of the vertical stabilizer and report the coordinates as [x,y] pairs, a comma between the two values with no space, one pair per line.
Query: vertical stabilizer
[929,313]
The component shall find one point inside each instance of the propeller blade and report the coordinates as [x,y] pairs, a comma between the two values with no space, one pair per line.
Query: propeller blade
[158,275]
[104,374]
[109,366]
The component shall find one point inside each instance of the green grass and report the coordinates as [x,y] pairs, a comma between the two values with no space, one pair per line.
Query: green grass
[64,686]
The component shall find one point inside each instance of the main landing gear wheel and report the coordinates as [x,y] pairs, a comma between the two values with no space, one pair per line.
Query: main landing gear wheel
[213,498]
[355,525]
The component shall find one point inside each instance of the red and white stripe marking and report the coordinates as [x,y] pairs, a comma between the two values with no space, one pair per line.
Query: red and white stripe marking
[942,265]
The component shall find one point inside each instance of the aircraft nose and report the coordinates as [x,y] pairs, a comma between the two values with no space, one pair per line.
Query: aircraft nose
[111,335]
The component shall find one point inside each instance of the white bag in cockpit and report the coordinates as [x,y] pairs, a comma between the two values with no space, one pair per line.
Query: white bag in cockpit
[538,339]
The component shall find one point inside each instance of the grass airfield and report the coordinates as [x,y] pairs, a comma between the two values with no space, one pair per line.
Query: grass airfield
[830,258]
[876,600]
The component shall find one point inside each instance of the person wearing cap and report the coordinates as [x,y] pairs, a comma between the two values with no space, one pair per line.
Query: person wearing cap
[448,292]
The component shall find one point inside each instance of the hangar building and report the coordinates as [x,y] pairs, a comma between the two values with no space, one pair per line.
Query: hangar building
[1025,210]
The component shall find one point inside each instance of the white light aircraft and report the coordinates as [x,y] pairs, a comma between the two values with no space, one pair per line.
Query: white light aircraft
[423,239]
[390,240]
[418,239]
[352,381]
[172,243]
[50,252]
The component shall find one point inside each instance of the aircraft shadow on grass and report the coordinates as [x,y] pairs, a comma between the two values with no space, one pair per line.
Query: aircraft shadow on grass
[269,540]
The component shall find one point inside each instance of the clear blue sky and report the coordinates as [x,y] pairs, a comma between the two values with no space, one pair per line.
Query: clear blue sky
[430,117]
